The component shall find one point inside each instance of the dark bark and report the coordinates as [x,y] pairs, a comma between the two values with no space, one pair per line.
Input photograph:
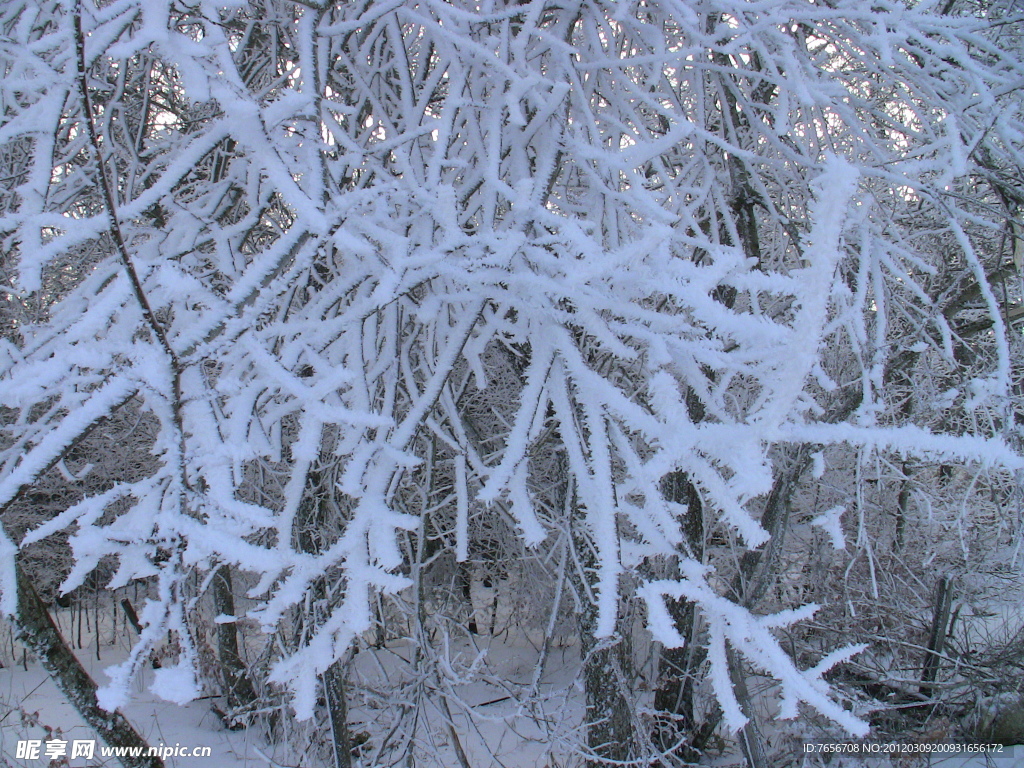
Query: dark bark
[937,636]
[606,666]
[902,506]
[337,708]
[239,692]
[678,668]
[465,577]
[316,526]
[751,741]
[608,717]
[133,617]
[35,628]
[758,566]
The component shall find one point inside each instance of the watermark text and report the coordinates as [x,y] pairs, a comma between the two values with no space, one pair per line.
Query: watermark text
[52,749]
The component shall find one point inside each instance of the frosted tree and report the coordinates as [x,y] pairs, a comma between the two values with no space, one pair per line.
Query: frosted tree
[304,238]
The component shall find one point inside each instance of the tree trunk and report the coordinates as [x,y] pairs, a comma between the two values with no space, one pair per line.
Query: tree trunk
[757,573]
[35,628]
[678,667]
[465,577]
[608,720]
[751,741]
[337,708]
[239,692]
[312,526]
[937,636]
[606,663]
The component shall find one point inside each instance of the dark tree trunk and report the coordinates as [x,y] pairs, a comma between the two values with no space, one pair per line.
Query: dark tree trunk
[465,576]
[678,668]
[313,528]
[606,666]
[337,708]
[937,636]
[35,628]
[239,692]
[608,717]
[750,738]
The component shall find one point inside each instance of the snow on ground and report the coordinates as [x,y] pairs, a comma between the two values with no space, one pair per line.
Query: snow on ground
[499,734]
[31,707]
[161,723]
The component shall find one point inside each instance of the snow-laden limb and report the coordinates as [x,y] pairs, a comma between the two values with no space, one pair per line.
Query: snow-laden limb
[833,190]
[158,617]
[734,626]
[911,440]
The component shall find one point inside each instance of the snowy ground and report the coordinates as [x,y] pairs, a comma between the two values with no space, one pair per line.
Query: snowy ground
[30,692]
[32,708]
[161,723]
